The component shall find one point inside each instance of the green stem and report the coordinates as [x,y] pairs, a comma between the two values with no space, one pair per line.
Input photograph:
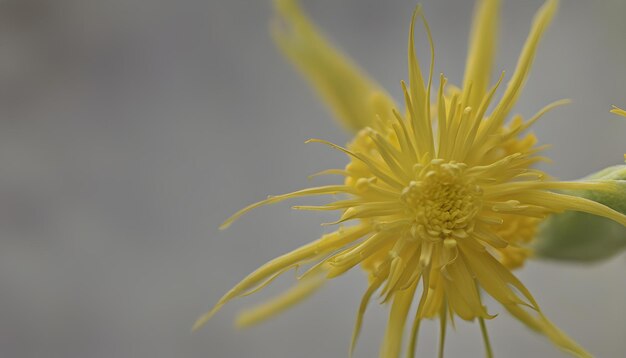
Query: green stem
[483,329]
[442,328]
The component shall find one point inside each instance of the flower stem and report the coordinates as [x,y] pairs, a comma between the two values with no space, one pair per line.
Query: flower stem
[442,328]
[483,330]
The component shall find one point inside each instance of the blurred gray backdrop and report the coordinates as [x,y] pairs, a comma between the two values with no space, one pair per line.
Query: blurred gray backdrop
[129,129]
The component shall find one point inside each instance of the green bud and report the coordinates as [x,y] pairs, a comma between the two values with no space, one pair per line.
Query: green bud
[576,236]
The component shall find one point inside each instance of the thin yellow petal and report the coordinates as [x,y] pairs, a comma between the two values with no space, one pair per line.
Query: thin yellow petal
[540,24]
[352,257]
[419,97]
[481,52]
[619,111]
[562,202]
[496,279]
[362,307]
[349,93]
[419,314]
[392,344]
[273,199]
[541,324]
[291,297]
[514,87]
[435,299]
[329,242]
[462,294]
[537,116]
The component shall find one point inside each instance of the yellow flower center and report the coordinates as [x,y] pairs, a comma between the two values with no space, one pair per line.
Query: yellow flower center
[443,202]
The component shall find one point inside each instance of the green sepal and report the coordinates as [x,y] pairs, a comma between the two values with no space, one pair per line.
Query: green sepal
[582,237]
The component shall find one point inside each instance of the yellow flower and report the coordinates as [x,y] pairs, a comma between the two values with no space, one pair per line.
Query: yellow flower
[443,196]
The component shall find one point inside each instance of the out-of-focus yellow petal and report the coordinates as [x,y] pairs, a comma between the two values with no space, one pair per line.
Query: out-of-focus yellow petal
[618,111]
[418,99]
[481,52]
[540,25]
[291,297]
[351,95]
[328,242]
[374,285]
[514,87]
[541,324]
[392,345]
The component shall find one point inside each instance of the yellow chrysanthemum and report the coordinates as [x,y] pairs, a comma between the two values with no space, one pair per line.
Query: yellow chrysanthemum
[441,196]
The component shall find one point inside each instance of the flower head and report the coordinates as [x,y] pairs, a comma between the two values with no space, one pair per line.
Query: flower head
[441,201]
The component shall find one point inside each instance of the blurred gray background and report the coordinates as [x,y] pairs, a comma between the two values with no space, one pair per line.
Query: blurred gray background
[129,129]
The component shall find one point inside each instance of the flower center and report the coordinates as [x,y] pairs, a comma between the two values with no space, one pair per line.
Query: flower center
[442,201]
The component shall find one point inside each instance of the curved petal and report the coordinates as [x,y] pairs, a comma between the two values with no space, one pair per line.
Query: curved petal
[462,293]
[514,87]
[327,243]
[496,279]
[276,305]
[541,324]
